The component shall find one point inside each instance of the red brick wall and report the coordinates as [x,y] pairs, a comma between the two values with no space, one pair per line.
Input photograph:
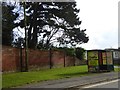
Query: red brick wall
[36,59]
[10,58]
[57,59]
[0,58]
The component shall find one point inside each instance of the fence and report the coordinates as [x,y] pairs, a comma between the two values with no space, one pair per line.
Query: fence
[37,59]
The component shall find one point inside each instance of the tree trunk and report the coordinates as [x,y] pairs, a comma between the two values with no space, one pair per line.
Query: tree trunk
[35,30]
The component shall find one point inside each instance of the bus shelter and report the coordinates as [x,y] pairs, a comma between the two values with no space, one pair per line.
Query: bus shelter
[100,60]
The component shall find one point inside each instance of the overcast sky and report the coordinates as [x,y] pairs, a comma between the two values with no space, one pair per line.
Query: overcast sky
[100,18]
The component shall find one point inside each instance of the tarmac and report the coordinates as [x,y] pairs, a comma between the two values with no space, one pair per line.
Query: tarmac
[69,83]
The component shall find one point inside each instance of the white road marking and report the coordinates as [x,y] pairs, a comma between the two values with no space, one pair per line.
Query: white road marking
[99,84]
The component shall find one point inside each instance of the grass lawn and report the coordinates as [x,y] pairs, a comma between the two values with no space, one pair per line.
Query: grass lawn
[117,69]
[21,78]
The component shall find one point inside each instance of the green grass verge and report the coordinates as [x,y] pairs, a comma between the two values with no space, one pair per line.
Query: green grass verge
[21,78]
[117,69]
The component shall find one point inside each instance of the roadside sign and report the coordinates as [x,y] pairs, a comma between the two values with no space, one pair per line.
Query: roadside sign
[93,58]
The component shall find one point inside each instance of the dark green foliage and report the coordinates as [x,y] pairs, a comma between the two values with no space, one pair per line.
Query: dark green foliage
[68,51]
[20,42]
[47,23]
[8,17]
[80,53]
[53,22]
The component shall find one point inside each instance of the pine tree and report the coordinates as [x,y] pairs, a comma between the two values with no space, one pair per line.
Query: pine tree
[53,22]
[8,18]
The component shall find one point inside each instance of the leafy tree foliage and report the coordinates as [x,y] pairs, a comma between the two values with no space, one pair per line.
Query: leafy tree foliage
[80,53]
[50,22]
[68,51]
[8,18]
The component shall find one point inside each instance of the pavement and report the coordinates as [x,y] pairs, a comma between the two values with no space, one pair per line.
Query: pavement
[69,83]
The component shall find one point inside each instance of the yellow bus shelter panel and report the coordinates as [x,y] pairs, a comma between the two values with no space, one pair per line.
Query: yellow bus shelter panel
[104,58]
[93,58]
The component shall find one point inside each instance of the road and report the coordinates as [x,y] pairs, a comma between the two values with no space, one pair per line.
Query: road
[109,84]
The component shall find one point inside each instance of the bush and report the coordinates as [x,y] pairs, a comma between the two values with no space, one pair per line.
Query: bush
[80,53]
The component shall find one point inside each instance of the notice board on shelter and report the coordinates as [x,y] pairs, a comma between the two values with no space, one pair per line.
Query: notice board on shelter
[92,57]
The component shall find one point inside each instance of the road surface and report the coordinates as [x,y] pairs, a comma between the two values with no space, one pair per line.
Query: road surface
[109,84]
